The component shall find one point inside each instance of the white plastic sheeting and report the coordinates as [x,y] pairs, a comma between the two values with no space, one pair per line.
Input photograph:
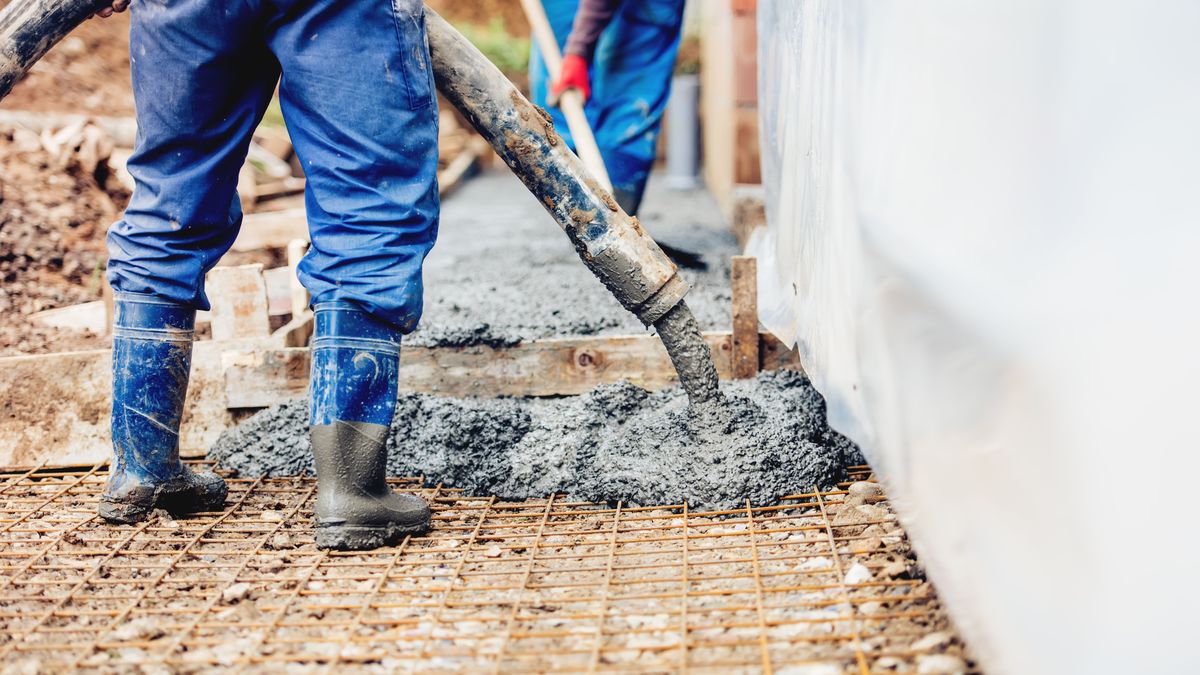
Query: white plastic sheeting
[984,232]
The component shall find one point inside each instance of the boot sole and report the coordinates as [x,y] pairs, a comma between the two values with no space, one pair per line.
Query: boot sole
[359,538]
[137,510]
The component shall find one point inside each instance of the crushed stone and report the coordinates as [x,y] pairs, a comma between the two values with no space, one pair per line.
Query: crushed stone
[618,442]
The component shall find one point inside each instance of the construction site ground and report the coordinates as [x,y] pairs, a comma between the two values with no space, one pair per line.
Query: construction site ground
[821,582]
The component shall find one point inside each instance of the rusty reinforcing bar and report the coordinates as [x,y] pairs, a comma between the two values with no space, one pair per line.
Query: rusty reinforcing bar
[495,587]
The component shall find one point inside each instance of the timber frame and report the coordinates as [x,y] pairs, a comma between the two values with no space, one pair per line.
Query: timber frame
[57,406]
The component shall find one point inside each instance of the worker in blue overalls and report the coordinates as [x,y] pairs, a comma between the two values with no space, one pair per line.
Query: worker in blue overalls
[357,93]
[620,54]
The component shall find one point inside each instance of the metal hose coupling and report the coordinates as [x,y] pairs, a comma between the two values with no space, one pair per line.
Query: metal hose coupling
[612,244]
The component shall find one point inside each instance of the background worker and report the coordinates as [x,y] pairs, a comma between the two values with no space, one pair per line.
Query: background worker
[620,54]
[357,93]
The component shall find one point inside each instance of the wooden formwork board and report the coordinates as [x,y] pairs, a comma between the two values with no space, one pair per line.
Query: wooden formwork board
[550,367]
[57,406]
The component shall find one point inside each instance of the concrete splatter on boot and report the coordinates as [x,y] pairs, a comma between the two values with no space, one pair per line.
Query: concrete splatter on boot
[152,357]
[355,366]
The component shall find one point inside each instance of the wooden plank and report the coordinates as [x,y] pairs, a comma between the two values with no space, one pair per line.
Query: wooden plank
[716,100]
[297,293]
[265,161]
[747,162]
[461,167]
[279,290]
[271,229]
[296,332]
[745,53]
[239,302]
[247,187]
[122,130]
[744,279]
[106,292]
[90,316]
[57,406]
[551,367]
[749,212]
[274,140]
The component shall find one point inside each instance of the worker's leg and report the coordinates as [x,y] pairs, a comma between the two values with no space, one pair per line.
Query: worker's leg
[358,94]
[199,89]
[631,82]
[561,14]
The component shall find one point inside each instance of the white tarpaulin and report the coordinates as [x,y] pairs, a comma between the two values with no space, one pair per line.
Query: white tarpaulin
[984,219]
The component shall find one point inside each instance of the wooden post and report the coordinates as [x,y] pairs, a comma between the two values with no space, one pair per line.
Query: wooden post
[745,316]
[247,187]
[239,302]
[106,293]
[296,249]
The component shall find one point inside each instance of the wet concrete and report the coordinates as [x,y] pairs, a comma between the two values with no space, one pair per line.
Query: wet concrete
[690,354]
[616,443]
[503,270]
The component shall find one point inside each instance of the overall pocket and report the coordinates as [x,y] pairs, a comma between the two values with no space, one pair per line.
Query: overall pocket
[414,62]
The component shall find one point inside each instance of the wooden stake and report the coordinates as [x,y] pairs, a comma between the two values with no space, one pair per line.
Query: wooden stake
[745,316]
[239,302]
[296,249]
[106,293]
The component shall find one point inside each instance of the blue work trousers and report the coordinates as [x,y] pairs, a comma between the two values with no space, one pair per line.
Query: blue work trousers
[631,81]
[356,90]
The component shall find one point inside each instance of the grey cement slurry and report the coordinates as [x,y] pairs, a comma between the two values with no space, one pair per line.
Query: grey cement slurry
[503,271]
[616,443]
[690,354]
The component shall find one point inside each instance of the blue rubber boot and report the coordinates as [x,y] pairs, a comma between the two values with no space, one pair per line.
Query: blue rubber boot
[152,355]
[355,370]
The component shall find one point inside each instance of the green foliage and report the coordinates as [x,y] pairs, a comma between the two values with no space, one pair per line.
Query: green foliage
[274,115]
[509,52]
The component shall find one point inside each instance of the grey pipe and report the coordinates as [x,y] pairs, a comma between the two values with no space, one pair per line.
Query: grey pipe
[29,28]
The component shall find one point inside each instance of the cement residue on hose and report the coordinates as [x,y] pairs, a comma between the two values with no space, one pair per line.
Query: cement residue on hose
[616,443]
[680,334]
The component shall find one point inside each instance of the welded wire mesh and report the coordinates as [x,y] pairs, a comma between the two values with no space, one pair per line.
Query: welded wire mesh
[543,585]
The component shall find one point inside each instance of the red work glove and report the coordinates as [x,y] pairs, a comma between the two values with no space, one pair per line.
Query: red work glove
[574,75]
[117,6]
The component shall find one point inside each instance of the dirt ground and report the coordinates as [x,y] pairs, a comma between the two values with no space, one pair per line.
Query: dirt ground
[55,206]
[88,72]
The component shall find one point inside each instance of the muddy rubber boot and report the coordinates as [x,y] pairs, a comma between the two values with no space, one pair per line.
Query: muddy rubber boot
[355,363]
[152,356]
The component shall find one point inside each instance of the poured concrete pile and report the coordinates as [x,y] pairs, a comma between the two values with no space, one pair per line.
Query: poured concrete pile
[616,443]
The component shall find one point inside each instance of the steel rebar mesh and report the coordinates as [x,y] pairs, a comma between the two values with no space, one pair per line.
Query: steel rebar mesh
[496,586]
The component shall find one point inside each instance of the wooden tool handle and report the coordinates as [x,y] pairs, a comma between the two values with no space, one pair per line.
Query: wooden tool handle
[570,101]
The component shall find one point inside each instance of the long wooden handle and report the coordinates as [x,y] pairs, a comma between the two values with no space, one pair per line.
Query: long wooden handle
[571,101]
